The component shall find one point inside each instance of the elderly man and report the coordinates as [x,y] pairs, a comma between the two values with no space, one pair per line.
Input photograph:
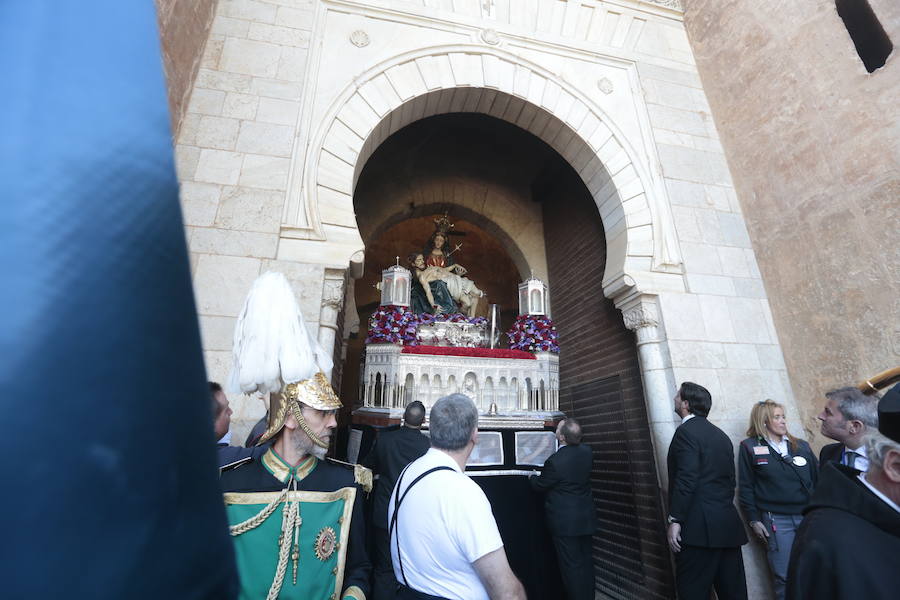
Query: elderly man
[444,540]
[296,519]
[705,531]
[566,477]
[394,449]
[847,417]
[849,543]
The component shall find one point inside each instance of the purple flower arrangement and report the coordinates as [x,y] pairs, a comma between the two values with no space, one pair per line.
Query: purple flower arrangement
[533,334]
[397,325]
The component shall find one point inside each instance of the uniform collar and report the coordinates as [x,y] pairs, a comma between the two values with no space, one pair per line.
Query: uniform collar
[282,471]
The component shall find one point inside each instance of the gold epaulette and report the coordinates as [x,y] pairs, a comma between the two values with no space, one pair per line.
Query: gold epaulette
[361,474]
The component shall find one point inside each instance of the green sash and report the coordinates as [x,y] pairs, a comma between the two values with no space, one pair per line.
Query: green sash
[323,542]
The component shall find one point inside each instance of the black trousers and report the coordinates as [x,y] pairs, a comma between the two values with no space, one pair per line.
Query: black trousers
[384,585]
[699,570]
[576,565]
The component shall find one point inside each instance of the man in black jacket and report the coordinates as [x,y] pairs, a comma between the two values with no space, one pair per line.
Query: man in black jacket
[394,449]
[705,531]
[847,416]
[848,544]
[566,478]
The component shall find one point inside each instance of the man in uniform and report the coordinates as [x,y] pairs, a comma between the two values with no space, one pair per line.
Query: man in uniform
[296,519]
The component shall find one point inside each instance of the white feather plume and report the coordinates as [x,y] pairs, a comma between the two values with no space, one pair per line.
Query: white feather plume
[272,346]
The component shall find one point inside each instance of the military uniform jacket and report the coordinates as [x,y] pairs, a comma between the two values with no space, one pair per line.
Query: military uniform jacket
[332,561]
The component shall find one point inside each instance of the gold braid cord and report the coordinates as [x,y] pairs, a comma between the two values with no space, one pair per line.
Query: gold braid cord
[298,416]
[257,519]
[290,520]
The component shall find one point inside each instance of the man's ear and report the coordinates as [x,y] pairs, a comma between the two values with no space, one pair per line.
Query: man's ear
[854,426]
[290,422]
[892,465]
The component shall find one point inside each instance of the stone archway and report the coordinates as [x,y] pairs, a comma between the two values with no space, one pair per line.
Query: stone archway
[464,78]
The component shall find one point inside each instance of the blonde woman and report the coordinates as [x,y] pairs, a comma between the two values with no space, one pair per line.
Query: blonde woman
[777,475]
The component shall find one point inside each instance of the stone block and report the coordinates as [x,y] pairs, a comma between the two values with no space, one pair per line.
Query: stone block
[701,259]
[334,173]
[704,355]
[249,57]
[335,208]
[187,133]
[292,64]
[186,160]
[407,80]
[714,285]
[298,18]
[226,82]
[770,357]
[221,284]
[260,12]
[693,165]
[219,166]
[749,321]
[673,119]
[714,313]
[734,261]
[734,231]
[212,52]
[218,367]
[206,102]
[199,203]
[217,332]
[274,88]
[686,224]
[250,209]
[230,27]
[265,138]
[217,132]
[749,288]
[741,356]
[265,172]
[240,106]
[741,389]
[224,242]
[708,221]
[282,36]
[280,112]
[682,317]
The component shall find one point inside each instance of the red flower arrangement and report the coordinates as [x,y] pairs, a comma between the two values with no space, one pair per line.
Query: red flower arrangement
[533,334]
[393,325]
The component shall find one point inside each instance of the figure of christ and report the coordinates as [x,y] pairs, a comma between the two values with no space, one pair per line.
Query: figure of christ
[461,289]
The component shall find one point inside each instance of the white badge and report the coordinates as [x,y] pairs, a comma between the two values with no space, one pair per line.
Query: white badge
[799,461]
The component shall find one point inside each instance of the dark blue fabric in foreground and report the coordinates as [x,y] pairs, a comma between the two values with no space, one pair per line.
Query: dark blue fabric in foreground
[109,481]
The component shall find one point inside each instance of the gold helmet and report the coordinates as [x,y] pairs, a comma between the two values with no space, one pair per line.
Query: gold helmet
[275,356]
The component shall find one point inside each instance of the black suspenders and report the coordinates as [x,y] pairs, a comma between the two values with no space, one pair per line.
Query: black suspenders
[398,499]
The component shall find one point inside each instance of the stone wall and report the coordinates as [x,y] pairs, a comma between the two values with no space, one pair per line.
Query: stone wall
[233,157]
[813,144]
[183,30]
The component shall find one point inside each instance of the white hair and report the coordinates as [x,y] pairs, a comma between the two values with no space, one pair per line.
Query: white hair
[877,446]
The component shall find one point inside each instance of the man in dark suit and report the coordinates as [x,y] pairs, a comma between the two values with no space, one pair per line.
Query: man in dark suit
[847,417]
[394,449]
[705,531]
[566,478]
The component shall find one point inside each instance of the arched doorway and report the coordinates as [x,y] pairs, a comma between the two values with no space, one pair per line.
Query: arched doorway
[505,186]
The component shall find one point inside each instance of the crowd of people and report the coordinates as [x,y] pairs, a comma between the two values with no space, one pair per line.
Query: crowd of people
[830,524]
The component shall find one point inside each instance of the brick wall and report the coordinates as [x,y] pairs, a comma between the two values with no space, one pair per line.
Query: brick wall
[600,385]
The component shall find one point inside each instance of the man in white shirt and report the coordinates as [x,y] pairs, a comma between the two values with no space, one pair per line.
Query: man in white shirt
[444,540]
[848,544]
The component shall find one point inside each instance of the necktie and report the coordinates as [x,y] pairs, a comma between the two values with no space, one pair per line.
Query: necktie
[850,458]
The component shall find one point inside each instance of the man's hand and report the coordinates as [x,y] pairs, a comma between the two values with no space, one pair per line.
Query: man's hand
[460,270]
[760,531]
[674,536]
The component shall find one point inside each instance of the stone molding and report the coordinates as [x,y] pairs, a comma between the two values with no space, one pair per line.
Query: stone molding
[467,77]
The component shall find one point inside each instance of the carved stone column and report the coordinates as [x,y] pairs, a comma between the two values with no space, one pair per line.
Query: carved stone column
[641,315]
[332,302]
